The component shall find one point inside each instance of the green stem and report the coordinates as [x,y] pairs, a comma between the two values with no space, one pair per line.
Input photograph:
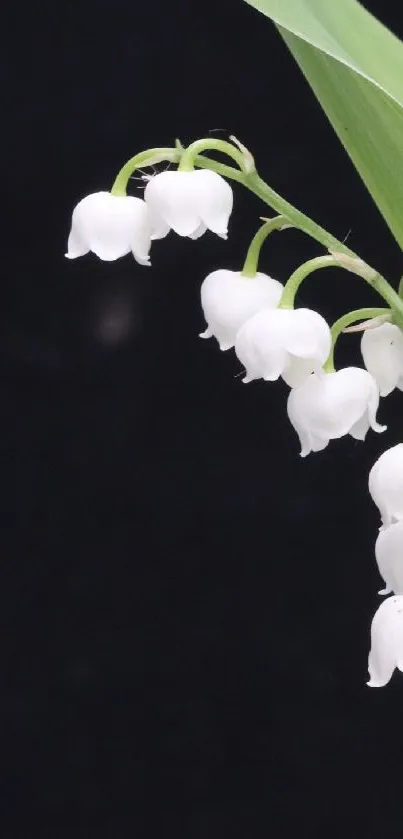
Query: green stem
[220,168]
[342,323]
[252,256]
[152,156]
[390,296]
[257,185]
[292,285]
[144,158]
[375,280]
[189,156]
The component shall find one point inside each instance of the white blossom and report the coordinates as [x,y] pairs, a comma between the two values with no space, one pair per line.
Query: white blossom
[291,343]
[389,556]
[329,405]
[228,299]
[386,642]
[191,202]
[111,226]
[382,351]
[385,484]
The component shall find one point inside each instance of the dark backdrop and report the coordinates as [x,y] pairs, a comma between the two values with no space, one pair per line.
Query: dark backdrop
[184,602]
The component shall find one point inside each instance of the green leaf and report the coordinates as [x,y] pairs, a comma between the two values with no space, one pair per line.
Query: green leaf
[355,68]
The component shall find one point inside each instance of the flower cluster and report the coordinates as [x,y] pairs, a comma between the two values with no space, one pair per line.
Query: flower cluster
[271,341]
[112,226]
[254,314]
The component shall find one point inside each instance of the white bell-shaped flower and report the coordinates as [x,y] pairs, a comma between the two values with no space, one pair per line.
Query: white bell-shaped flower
[329,405]
[111,226]
[228,299]
[382,351]
[389,556]
[386,642]
[291,343]
[191,202]
[385,484]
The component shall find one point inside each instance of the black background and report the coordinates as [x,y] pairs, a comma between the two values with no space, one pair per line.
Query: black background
[184,602]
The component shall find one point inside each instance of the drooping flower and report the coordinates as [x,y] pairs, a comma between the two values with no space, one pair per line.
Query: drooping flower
[382,351]
[329,405]
[389,556]
[191,202]
[385,484]
[386,642]
[228,299]
[112,226]
[291,343]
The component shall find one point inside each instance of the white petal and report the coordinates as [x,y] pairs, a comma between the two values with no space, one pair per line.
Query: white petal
[318,443]
[297,370]
[228,300]
[159,227]
[305,441]
[267,339]
[142,260]
[112,226]
[352,402]
[359,429]
[191,202]
[386,641]
[208,333]
[382,351]
[298,410]
[140,233]
[259,345]
[199,232]
[307,335]
[328,406]
[373,404]
[214,199]
[75,245]
[170,197]
[349,396]
[389,556]
[385,483]
[309,442]
[258,366]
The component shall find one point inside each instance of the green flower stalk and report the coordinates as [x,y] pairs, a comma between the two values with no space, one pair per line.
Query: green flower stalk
[344,322]
[252,257]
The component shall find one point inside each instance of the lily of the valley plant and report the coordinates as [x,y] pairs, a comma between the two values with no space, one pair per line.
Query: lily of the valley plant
[254,315]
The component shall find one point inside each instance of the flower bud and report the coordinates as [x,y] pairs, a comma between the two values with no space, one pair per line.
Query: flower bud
[385,484]
[389,556]
[329,405]
[291,343]
[228,299]
[386,642]
[191,202]
[111,226]
[382,351]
